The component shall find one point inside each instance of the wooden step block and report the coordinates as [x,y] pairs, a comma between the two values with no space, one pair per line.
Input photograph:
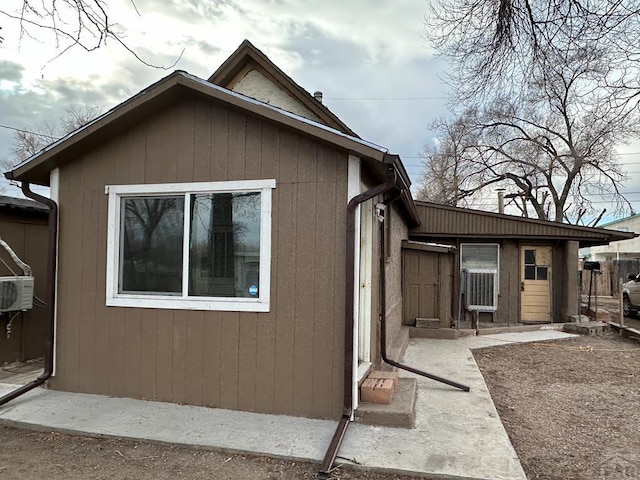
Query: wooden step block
[377,390]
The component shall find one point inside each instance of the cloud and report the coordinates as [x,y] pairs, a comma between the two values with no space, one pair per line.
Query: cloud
[10,71]
[370,59]
[389,101]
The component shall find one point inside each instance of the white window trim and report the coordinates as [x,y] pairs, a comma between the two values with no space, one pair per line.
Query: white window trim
[116,299]
[494,271]
[54,194]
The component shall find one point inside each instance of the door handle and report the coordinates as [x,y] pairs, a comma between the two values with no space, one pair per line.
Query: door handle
[522,286]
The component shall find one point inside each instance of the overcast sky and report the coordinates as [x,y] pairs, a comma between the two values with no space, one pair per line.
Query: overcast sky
[369,58]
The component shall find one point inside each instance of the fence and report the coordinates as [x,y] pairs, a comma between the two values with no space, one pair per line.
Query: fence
[606,282]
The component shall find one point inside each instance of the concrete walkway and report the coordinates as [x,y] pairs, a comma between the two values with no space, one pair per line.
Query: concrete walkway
[458,435]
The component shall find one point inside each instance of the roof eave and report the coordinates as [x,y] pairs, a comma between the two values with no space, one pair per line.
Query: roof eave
[36,168]
[46,158]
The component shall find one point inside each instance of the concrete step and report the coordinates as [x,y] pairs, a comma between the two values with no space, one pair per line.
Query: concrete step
[401,412]
[443,333]
[587,328]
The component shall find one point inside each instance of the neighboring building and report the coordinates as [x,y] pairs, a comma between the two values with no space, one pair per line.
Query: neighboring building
[23,226]
[619,250]
[617,260]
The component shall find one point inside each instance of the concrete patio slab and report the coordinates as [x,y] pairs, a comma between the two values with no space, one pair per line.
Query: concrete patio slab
[458,435]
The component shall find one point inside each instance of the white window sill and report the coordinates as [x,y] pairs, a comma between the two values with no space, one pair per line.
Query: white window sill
[230,305]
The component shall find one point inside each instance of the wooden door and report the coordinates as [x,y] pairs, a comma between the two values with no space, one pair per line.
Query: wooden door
[420,285]
[535,283]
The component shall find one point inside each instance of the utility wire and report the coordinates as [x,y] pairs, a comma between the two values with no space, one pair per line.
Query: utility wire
[385,98]
[21,130]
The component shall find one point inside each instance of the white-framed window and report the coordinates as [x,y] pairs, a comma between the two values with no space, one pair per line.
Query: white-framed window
[480,265]
[196,246]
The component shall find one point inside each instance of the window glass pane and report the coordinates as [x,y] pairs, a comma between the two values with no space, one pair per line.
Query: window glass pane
[530,257]
[479,256]
[152,230]
[224,245]
[541,273]
[530,272]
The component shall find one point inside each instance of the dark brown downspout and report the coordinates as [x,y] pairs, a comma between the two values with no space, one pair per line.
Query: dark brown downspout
[383,317]
[347,404]
[50,297]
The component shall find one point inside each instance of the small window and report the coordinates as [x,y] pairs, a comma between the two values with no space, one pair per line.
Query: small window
[202,246]
[479,264]
[479,255]
[530,257]
[541,273]
[532,271]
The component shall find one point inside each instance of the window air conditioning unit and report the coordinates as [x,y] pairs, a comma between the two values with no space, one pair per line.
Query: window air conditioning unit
[16,293]
[481,289]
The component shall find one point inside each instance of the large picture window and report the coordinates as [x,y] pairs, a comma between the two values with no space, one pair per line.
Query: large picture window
[204,246]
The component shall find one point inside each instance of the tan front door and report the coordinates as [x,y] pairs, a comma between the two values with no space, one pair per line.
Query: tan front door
[535,278]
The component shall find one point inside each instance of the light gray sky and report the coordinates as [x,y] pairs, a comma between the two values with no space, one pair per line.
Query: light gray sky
[370,59]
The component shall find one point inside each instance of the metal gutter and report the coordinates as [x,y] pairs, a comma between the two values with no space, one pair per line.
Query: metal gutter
[347,403]
[383,316]
[50,298]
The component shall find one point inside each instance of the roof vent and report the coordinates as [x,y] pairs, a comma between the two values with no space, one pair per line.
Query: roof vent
[318,95]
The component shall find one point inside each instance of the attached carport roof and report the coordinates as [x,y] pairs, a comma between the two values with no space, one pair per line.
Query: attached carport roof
[441,221]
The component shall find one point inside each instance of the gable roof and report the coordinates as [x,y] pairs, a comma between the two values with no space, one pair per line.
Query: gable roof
[171,89]
[166,91]
[440,221]
[247,57]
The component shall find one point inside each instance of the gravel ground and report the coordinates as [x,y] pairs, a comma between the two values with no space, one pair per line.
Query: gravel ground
[570,407]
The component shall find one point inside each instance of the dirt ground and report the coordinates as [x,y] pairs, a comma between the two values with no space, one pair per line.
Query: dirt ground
[570,407]
[28,455]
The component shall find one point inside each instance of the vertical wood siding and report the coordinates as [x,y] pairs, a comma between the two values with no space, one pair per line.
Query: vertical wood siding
[453,221]
[26,234]
[288,360]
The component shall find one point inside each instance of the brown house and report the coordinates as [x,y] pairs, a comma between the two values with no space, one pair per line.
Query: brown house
[23,226]
[511,270]
[231,243]
[207,252]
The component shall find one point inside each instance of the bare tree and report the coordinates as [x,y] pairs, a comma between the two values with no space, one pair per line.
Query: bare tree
[552,85]
[72,23]
[554,150]
[496,45]
[447,162]
[29,141]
